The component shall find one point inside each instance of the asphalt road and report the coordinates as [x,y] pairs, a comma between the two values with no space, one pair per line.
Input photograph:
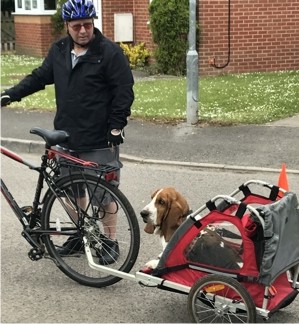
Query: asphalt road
[37,292]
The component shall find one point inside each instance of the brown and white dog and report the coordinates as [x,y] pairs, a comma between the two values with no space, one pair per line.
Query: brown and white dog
[163,215]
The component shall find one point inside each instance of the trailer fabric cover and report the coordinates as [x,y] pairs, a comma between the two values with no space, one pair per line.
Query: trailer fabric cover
[174,256]
[281,234]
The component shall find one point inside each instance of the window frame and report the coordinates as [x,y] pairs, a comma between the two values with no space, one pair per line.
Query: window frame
[38,9]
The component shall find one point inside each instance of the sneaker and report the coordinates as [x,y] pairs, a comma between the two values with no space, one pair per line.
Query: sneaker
[72,245]
[109,252]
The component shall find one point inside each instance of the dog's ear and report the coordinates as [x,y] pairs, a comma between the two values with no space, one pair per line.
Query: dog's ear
[154,193]
[178,210]
[182,204]
[183,207]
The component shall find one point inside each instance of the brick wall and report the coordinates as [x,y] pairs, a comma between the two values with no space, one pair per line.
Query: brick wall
[109,8]
[264,34]
[139,9]
[33,34]
[141,21]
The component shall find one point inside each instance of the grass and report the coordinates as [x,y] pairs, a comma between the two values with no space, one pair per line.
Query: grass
[249,98]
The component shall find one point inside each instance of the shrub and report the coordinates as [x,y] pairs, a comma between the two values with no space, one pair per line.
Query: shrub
[169,23]
[57,22]
[137,55]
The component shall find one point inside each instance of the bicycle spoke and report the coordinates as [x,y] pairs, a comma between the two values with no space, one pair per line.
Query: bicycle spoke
[102,215]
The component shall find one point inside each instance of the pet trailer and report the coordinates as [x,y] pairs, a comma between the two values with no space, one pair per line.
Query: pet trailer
[233,256]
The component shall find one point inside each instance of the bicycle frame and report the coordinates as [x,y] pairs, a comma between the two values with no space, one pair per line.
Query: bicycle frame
[78,195]
[30,232]
[9,197]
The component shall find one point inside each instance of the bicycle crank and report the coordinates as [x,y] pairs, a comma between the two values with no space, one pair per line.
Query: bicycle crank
[35,254]
[38,250]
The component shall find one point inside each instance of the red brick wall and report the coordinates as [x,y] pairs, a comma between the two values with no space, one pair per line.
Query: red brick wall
[139,9]
[109,8]
[141,22]
[264,34]
[33,35]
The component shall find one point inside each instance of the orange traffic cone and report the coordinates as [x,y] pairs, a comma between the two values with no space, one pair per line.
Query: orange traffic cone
[283,180]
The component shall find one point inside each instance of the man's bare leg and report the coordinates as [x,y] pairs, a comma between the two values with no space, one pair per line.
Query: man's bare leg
[73,209]
[110,247]
[73,244]
[109,220]
[108,217]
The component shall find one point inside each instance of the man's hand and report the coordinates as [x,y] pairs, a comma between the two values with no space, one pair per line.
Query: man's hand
[5,100]
[115,137]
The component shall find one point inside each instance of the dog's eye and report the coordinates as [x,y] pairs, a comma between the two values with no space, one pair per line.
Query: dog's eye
[161,201]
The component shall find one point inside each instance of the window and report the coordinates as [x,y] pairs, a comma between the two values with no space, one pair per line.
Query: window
[35,7]
[50,4]
[218,245]
[27,4]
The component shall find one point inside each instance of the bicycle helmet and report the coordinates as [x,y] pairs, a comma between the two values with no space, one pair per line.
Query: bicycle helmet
[78,9]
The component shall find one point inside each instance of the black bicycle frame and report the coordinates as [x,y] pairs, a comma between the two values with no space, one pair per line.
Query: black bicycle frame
[30,233]
[9,197]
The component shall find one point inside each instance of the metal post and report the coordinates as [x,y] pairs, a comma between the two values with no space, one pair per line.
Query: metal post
[192,68]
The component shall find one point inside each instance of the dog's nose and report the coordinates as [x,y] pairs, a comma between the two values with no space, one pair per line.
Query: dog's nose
[144,214]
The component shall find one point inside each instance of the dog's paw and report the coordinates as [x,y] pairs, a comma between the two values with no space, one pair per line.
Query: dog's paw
[152,264]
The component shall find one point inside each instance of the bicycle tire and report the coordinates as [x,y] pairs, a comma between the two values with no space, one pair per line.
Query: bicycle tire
[220,299]
[55,209]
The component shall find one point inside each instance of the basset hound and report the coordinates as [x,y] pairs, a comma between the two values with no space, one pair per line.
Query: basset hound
[163,215]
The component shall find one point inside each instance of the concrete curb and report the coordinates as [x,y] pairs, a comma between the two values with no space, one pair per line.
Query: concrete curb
[219,167]
[35,147]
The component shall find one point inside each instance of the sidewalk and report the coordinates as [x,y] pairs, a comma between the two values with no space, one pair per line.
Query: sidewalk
[240,148]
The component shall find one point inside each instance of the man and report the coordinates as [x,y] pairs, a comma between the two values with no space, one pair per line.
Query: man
[94,93]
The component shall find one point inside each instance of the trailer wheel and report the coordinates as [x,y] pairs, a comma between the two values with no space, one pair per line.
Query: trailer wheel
[220,299]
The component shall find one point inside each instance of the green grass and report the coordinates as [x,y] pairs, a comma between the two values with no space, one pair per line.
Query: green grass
[250,98]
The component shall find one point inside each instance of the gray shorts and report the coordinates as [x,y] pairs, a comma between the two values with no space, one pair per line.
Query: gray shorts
[105,156]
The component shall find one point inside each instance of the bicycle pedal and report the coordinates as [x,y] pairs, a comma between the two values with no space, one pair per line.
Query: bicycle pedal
[35,254]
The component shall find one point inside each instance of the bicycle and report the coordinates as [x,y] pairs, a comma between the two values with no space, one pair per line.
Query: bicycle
[59,214]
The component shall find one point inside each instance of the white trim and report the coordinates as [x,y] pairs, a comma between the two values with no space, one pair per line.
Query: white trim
[38,9]
[98,23]
[35,13]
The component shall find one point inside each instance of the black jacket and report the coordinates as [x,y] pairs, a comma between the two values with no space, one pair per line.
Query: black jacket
[93,97]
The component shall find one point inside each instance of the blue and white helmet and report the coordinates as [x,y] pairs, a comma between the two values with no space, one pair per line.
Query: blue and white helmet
[78,9]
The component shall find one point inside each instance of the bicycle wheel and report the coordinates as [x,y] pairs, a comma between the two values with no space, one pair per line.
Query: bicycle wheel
[220,299]
[88,196]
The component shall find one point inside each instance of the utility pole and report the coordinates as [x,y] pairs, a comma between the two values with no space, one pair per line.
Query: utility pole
[192,68]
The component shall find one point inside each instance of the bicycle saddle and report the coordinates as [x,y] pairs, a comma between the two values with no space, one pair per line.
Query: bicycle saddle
[51,137]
